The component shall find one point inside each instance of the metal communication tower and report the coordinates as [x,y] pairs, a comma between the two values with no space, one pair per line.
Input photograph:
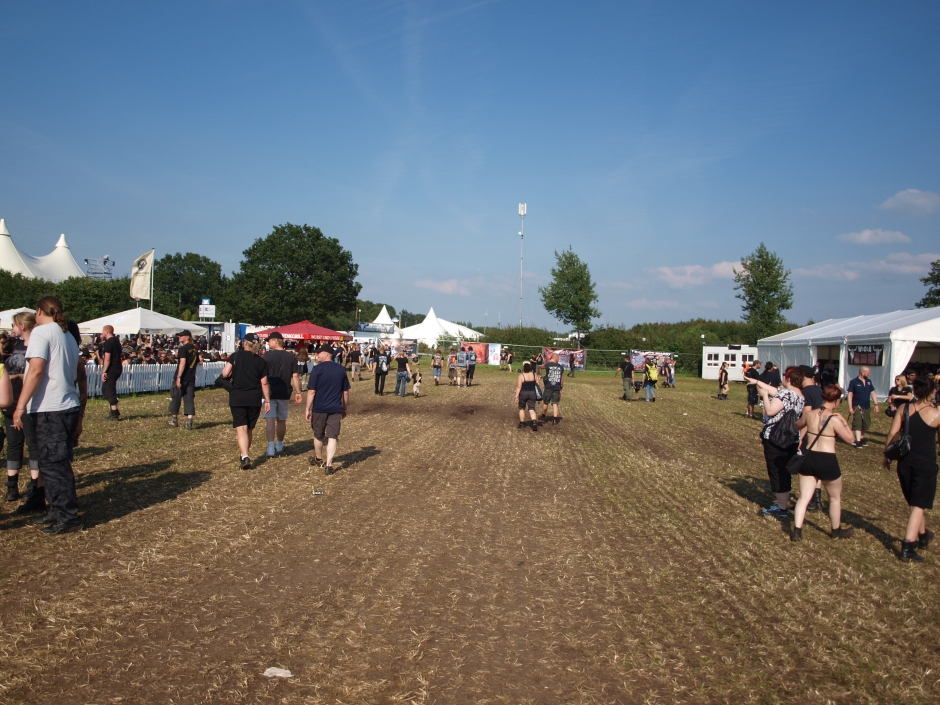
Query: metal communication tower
[521,251]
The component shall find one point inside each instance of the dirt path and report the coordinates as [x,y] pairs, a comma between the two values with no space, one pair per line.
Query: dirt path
[455,559]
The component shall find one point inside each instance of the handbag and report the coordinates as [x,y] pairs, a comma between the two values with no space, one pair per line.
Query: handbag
[226,382]
[795,464]
[784,433]
[896,450]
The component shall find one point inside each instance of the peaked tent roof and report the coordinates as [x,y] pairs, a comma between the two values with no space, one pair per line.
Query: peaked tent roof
[920,325]
[304,330]
[141,320]
[57,266]
[432,328]
[383,317]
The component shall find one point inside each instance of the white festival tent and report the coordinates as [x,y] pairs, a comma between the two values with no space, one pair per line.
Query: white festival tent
[6,317]
[432,329]
[141,320]
[886,343]
[386,320]
[57,266]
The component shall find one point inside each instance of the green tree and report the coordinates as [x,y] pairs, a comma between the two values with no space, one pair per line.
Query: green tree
[181,281]
[85,299]
[932,282]
[764,287]
[570,297]
[295,273]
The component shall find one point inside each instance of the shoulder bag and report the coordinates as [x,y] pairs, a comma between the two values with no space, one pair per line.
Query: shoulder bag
[795,464]
[226,382]
[784,433]
[896,450]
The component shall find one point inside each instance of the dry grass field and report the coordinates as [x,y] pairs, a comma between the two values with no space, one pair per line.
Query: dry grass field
[616,558]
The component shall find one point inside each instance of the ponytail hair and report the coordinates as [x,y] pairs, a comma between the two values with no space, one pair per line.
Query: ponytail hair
[52,307]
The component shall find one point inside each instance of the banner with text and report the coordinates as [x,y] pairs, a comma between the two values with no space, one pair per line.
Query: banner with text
[871,355]
[565,356]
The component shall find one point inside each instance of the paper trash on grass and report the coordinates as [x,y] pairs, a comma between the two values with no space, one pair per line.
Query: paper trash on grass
[278,673]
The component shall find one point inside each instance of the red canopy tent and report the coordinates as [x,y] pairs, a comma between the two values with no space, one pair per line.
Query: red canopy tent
[305,330]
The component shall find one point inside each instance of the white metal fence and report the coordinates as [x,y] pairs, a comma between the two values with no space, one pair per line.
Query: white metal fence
[137,379]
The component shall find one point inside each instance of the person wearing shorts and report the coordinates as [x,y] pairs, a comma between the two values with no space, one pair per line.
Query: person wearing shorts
[437,364]
[327,406]
[452,368]
[526,397]
[355,363]
[461,367]
[249,374]
[282,379]
[554,379]
[861,394]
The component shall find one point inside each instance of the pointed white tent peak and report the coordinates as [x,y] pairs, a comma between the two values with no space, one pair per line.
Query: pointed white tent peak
[57,266]
[62,241]
[383,317]
[3,228]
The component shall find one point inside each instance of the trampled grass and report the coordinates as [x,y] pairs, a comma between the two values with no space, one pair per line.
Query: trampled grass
[617,557]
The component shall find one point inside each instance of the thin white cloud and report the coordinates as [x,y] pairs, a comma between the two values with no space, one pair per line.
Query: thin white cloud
[690,275]
[449,286]
[874,237]
[897,263]
[912,201]
[650,305]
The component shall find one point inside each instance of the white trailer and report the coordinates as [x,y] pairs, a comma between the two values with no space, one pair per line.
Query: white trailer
[734,355]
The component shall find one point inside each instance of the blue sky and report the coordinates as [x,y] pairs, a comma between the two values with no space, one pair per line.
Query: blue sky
[662,141]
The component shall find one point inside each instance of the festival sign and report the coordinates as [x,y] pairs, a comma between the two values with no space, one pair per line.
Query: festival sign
[871,355]
[395,344]
[481,350]
[565,355]
[381,328]
[495,351]
[638,357]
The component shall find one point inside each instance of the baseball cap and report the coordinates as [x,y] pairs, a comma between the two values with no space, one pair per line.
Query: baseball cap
[250,337]
[186,333]
[275,336]
[325,349]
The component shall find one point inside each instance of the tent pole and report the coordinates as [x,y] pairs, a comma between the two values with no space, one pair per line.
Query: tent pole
[153,264]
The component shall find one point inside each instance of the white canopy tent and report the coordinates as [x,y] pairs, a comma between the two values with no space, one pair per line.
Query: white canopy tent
[432,329]
[886,343]
[141,320]
[57,266]
[6,317]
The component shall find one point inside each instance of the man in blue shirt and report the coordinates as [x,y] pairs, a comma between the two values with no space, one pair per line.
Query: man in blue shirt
[861,394]
[327,405]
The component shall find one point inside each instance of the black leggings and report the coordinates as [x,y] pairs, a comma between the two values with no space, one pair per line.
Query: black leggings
[16,440]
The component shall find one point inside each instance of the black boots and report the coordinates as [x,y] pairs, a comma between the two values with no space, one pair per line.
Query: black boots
[13,488]
[35,500]
[115,415]
[908,554]
[797,534]
[842,533]
[923,541]
[815,504]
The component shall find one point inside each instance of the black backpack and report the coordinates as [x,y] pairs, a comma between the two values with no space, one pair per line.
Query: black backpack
[784,433]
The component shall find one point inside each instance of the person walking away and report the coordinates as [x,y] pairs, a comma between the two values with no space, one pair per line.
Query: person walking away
[820,463]
[35,501]
[327,406]
[650,377]
[355,363]
[452,368]
[776,403]
[626,370]
[250,388]
[50,394]
[379,370]
[404,372]
[303,364]
[502,359]
[554,380]
[861,397]
[461,368]
[754,374]
[723,386]
[111,364]
[437,364]
[525,395]
[671,372]
[917,471]
[282,379]
[416,380]
[471,365]
[184,388]
[812,400]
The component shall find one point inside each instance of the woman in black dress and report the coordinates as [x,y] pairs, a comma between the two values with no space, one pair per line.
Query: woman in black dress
[249,374]
[917,471]
[525,395]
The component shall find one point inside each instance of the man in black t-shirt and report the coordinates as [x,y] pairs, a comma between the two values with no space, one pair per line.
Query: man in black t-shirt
[752,373]
[282,378]
[111,364]
[771,375]
[626,370]
[380,365]
[184,386]
[355,363]
[554,379]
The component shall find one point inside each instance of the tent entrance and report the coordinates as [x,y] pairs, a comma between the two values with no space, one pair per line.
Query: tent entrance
[927,354]
[829,358]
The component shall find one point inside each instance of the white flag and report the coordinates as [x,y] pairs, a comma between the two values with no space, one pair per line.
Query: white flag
[140,276]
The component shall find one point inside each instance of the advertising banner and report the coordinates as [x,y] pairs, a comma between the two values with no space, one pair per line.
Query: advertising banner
[495,350]
[481,350]
[395,344]
[565,355]
[638,357]
[870,355]
[380,328]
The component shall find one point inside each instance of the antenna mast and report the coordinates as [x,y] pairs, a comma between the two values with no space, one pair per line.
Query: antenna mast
[521,251]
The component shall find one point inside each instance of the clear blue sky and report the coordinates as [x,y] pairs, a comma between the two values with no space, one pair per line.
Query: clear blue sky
[662,141]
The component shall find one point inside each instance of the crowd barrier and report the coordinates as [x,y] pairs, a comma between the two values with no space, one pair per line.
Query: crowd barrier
[140,379]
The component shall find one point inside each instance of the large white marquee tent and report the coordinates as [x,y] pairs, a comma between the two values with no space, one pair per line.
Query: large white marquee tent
[432,329]
[886,343]
[57,266]
[141,320]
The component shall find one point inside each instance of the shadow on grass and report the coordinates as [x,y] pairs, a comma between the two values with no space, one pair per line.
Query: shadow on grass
[750,488]
[357,456]
[84,452]
[890,542]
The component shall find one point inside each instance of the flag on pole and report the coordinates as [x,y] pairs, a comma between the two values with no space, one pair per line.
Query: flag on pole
[141,275]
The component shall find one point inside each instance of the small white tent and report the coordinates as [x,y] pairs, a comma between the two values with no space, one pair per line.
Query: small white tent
[886,343]
[141,320]
[57,266]
[432,329]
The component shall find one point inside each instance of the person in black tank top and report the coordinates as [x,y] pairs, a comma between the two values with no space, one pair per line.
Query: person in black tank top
[917,471]
[526,395]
